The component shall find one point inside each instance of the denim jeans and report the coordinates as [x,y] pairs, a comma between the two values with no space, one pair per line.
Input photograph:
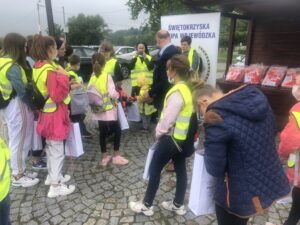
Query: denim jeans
[166,150]
[4,211]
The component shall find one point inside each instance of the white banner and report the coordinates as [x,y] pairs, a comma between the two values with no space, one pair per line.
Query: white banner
[204,31]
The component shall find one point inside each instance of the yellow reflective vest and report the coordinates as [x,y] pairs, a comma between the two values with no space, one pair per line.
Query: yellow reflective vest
[75,76]
[146,108]
[191,56]
[4,170]
[141,68]
[183,119]
[110,66]
[101,83]
[39,76]
[5,85]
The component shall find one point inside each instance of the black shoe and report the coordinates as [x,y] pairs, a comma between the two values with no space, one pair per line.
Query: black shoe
[40,165]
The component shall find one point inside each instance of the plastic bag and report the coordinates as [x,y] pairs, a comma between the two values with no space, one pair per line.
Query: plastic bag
[254,73]
[235,73]
[290,78]
[274,76]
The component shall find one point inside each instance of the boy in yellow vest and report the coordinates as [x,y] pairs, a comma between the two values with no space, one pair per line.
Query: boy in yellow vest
[4,183]
[76,82]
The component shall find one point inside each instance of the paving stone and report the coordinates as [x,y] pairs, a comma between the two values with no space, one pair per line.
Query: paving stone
[102,194]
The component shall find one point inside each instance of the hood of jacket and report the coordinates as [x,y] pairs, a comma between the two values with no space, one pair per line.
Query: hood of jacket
[247,102]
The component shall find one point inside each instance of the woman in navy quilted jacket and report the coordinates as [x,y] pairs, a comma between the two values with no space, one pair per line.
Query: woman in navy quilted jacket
[240,152]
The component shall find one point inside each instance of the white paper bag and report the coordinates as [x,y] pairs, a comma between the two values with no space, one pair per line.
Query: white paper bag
[148,161]
[202,188]
[133,113]
[122,118]
[74,143]
[37,143]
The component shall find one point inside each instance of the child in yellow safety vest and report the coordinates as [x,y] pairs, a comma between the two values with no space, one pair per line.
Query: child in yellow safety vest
[76,83]
[146,109]
[4,183]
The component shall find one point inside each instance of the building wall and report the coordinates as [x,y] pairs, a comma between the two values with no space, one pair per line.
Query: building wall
[276,43]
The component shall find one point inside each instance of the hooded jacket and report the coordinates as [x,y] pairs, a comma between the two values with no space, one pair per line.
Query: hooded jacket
[240,152]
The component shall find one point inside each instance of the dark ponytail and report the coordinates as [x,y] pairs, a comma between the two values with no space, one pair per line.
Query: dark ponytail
[98,62]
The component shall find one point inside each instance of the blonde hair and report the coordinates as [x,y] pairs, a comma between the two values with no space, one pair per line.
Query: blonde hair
[200,88]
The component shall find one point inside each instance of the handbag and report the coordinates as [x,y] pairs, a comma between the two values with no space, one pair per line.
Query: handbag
[122,118]
[148,161]
[74,143]
[202,188]
[79,101]
[95,99]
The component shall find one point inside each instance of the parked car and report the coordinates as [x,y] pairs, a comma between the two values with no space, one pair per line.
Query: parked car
[85,53]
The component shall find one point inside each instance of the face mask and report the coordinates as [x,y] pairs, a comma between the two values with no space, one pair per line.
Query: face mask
[295,92]
[171,80]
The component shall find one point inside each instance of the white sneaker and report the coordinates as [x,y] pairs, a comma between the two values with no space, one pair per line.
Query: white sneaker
[140,207]
[169,205]
[286,200]
[24,181]
[60,189]
[31,174]
[63,179]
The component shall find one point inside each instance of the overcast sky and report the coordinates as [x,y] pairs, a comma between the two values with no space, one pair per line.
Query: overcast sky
[21,15]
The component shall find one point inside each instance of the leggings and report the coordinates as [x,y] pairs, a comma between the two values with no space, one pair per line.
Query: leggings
[294,215]
[226,218]
[107,128]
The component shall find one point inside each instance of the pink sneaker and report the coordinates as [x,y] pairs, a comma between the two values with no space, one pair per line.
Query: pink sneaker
[119,160]
[105,160]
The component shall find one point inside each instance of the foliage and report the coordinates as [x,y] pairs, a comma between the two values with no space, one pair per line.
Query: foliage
[132,36]
[58,30]
[155,9]
[86,30]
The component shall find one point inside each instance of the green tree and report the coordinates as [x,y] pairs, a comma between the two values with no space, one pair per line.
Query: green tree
[58,30]
[86,30]
[132,36]
[156,9]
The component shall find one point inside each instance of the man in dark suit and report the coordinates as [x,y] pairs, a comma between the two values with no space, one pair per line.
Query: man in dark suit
[160,84]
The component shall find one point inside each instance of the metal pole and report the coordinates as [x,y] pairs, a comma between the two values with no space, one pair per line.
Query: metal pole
[50,18]
[64,19]
[39,19]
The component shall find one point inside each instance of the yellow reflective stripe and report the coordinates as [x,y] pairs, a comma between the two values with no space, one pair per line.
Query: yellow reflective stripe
[297,118]
[183,119]
[4,170]
[9,87]
[180,131]
[49,105]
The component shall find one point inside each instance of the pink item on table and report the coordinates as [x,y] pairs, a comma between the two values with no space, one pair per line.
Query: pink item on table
[274,76]
[235,73]
[290,78]
[254,73]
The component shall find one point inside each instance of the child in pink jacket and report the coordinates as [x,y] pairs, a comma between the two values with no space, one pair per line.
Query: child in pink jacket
[53,121]
[289,149]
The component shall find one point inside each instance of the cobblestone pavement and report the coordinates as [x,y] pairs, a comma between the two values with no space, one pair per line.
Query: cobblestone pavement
[102,194]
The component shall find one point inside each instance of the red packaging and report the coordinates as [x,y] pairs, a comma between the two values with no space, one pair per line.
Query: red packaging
[235,73]
[290,78]
[274,76]
[254,73]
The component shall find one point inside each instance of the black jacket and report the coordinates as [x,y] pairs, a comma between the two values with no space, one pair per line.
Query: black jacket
[160,84]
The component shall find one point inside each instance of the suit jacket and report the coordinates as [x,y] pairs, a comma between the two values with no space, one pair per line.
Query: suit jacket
[160,84]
